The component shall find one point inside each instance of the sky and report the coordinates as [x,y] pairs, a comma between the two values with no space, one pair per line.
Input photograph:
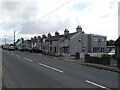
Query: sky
[29,18]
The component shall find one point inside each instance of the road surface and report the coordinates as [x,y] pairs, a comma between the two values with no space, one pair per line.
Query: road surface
[31,70]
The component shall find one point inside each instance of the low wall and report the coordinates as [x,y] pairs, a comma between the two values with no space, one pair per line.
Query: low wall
[97,60]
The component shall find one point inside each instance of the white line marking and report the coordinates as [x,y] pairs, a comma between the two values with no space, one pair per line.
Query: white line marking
[12,53]
[97,85]
[19,56]
[51,68]
[28,59]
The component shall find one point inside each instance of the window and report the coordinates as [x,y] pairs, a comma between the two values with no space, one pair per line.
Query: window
[95,38]
[102,49]
[95,49]
[99,40]
[103,39]
[50,42]
[60,49]
[50,48]
[55,50]
[66,49]
[43,47]
[33,43]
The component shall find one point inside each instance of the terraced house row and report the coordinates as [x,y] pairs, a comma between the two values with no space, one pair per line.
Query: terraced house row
[67,43]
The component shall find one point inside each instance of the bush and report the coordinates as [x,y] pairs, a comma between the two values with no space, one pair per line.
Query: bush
[105,55]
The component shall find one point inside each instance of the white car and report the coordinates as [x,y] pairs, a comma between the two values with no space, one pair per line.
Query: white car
[11,48]
[112,53]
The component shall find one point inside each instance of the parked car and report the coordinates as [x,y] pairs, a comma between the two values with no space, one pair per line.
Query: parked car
[11,48]
[24,49]
[35,50]
[112,53]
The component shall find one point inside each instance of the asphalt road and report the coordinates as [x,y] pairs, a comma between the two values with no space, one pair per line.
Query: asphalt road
[31,70]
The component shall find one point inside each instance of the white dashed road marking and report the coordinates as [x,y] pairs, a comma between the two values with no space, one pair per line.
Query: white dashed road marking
[12,53]
[95,84]
[19,56]
[51,68]
[28,59]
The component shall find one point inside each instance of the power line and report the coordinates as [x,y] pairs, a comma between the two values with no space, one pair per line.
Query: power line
[48,14]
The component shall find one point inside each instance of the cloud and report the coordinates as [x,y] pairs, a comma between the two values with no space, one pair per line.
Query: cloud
[50,24]
[18,12]
[81,6]
[95,16]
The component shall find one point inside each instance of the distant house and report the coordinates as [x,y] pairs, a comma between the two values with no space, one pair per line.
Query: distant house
[52,43]
[27,44]
[19,43]
[39,43]
[34,41]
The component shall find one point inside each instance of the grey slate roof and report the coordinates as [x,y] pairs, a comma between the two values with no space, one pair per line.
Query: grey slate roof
[117,42]
[56,38]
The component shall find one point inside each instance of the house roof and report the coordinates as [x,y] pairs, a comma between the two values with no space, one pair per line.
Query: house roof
[56,38]
[53,38]
[117,42]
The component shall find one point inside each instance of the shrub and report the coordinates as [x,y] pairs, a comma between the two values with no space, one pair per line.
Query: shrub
[105,55]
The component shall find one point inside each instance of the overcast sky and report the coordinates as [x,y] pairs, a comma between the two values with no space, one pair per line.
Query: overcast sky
[37,17]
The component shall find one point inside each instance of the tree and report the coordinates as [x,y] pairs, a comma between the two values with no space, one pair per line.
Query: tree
[110,42]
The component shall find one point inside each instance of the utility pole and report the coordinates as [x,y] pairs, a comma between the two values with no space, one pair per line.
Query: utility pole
[14,38]
[5,41]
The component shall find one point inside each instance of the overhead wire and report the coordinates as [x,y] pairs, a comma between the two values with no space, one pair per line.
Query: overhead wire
[47,14]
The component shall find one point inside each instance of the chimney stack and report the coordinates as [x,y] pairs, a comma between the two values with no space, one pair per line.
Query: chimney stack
[66,32]
[78,29]
[56,33]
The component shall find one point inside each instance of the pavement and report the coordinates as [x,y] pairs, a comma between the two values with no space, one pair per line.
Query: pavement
[31,70]
[112,67]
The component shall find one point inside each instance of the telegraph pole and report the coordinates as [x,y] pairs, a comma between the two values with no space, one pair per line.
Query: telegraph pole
[14,38]
[5,41]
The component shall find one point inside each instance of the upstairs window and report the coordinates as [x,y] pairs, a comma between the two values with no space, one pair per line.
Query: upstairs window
[95,38]
[103,39]
[43,47]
